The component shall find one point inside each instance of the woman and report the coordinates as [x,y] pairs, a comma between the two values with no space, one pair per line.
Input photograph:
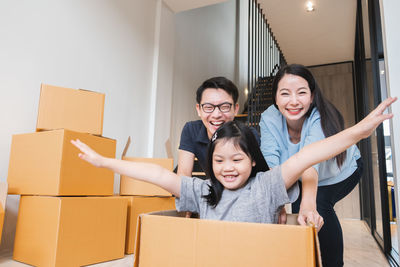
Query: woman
[300,116]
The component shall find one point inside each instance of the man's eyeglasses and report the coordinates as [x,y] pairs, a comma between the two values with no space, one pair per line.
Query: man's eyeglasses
[223,107]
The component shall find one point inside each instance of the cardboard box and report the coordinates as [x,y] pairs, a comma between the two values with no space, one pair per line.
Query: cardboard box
[164,239]
[3,197]
[70,231]
[77,110]
[2,213]
[46,163]
[129,186]
[138,205]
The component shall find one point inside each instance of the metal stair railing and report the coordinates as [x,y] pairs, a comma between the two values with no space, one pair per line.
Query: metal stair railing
[264,60]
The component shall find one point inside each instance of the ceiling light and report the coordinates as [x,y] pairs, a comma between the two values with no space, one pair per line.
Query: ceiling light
[309,6]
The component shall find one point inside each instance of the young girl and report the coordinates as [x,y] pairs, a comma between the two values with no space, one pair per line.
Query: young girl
[236,190]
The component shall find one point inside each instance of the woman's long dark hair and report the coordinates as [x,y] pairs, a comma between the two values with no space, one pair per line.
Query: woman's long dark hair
[242,137]
[331,119]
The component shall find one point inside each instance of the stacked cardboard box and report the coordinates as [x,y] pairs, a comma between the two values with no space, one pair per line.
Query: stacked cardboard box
[67,214]
[143,197]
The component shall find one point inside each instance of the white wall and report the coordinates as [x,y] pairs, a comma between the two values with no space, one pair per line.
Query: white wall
[163,100]
[391,37]
[125,49]
[205,46]
[100,45]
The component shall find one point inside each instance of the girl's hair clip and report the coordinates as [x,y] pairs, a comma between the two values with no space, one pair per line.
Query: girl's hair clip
[214,137]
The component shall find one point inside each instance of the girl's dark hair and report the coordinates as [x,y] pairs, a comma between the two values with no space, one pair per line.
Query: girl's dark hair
[331,119]
[242,137]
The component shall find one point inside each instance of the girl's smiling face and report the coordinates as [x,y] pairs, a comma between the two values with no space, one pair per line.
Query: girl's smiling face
[231,166]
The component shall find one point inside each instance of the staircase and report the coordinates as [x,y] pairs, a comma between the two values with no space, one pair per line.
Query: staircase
[259,100]
[264,59]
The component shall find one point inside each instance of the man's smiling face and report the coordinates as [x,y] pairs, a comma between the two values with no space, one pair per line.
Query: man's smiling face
[213,120]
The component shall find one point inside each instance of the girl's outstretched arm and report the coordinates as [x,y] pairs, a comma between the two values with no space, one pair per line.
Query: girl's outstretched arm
[147,172]
[333,145]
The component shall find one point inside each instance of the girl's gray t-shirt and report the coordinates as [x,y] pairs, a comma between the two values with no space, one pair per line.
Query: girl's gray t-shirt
[260,200]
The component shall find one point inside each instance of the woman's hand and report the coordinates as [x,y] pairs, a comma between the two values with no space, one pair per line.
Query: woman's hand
[375,117]
[88,154]
[308,206]
[309,216]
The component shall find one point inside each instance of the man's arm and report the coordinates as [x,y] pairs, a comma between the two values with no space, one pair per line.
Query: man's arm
[185,167]
[185,163]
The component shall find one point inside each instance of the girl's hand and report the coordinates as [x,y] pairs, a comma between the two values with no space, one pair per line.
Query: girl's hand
[282,218]
[88,154]
[375,117]
[310,216]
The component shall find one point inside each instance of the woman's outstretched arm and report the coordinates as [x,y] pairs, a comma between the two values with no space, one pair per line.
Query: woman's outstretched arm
[308,205]
[147,172]
[333,145]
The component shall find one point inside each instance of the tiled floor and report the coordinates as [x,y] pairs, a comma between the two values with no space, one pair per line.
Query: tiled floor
[360,250]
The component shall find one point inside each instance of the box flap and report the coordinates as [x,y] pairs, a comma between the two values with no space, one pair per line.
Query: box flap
[172,213]
[291,218]
[3,194]
[128,142]
[168,148]
[318,259]
[91,91]
[137,241]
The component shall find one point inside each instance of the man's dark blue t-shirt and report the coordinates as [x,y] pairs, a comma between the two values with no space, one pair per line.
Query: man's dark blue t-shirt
[194,139]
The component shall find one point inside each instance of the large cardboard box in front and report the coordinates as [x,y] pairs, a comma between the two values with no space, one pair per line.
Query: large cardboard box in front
[46,163]
[129,186]
[77,110]
[70,231]
[138,205]
[165,239]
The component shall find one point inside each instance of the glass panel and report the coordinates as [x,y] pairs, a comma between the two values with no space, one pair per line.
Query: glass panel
[374,157]
[374,148]
[389,164]
[387,179]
